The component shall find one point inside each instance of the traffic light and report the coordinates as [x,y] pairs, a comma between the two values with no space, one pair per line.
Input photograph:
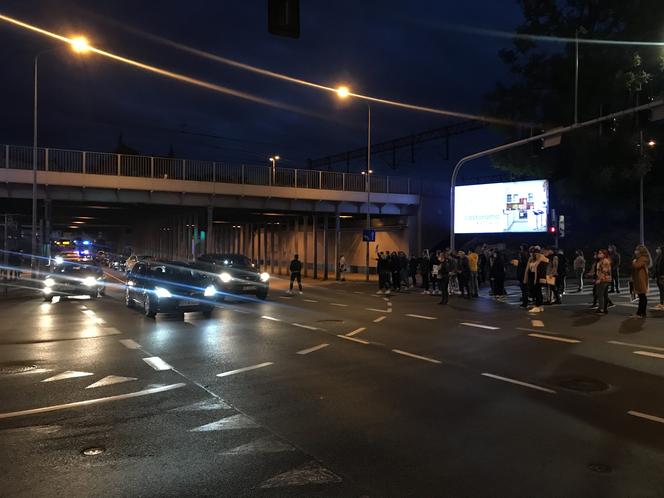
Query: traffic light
[553,229]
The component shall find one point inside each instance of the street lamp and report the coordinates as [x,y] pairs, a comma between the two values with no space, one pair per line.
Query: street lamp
[579,31]
[274,160]
[79,45]
[343,92]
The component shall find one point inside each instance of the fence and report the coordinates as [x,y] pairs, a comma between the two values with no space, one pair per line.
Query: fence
[102,163]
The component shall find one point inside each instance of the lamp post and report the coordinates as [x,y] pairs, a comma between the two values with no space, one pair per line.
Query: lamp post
[577,32]
[642,225]
[343,92]
[274,160]
[79,45]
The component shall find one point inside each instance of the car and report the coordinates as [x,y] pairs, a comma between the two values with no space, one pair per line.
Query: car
[72,275]
[169,287]
[234,274]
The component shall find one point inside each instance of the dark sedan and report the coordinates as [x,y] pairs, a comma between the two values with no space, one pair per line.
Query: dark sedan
[169,287]
[74,276]
[235,274]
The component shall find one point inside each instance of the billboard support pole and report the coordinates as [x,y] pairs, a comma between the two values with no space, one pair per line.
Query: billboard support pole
[542,136]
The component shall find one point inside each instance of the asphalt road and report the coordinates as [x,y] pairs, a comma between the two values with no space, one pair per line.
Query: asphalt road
[336,392]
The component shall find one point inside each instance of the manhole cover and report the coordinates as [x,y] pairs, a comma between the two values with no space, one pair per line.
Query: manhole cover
[583,384]
[93,451]
[329,321]
[600,468]
[14,368]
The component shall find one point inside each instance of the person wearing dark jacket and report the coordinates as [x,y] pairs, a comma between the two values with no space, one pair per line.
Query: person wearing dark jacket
[521,268]
[425,270]
[498,274]
[444,277]
[535,277]
[395,271]
[616,259]
[295,273]
[383,269]
[464,274]
[412,271]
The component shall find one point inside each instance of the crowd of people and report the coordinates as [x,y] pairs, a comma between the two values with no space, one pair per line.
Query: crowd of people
[540,271]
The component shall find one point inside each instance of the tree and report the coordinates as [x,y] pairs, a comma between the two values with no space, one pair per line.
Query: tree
[600,166]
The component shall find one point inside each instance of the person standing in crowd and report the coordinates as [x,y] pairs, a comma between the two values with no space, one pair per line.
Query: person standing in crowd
[616,259]
[640,279]
[521,268]
[603,280]
[535,277]
[342,268]
[412,272]
[383,270]
[551,277]
[403,269]
[658,275]
[464,274]
[473,262]
[444,278]
[295,273]
[425,271]
[498,274]
[453,265]
[561,281]
[395,273]
[579,268]
[435,263]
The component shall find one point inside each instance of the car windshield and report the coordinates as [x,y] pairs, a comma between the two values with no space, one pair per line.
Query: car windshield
[74,266]
[231,260]
[174,272]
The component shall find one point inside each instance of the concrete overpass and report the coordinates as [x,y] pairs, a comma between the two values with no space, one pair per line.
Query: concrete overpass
[291,210]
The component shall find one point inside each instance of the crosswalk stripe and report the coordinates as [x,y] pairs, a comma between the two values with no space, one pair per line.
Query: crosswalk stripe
[519,383]
[268,444]
[234,422]
[245,369]
[157,363]
[311,350]
[554,338]
[479,326]
[422,317]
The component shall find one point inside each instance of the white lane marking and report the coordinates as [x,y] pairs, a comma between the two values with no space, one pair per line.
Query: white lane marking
[130,344]
[310,301]
[406,353]
[642,346]
[356,331]
[268,444]
[302,326]
[69,374]
[233,422]
[652,418]
[285,297]
[270,318]
[339,304]
[352,339]
[241,311]
[109,380]
[524,329]
[389,304]
[479,326]
[379,319]
[56,300]
[537,323]
[387,299]
[89,313]
[206,405]
[648,353]
[54,408]
[358,292]
[519,383]
[309,473]
[554,338]
[157,363]
[422,317]
[245,369]
[311,350]
[376,310]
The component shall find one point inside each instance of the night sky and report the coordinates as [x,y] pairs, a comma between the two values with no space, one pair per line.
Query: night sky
[380,48]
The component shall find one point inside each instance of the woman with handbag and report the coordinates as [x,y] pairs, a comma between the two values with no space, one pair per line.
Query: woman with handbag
[640,278]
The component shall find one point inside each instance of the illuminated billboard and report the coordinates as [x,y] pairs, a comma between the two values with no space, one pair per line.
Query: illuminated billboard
[515,207]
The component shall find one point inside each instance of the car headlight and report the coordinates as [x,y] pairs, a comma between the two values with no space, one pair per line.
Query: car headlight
[225,277]
[58,260]
[265,277]
[47,290]
[162,293]
[89,281]
[49,282]
[210,291]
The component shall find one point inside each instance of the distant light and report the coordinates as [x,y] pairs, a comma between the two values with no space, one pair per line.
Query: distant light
[277,158]
[652,143]
[552,229]
[59,260]
[86,242]
[210,291]
[80,45]
[343,92]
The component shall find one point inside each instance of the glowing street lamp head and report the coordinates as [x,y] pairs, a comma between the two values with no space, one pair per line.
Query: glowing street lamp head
[276,158]
[79,44]
[343,92]
[652,143]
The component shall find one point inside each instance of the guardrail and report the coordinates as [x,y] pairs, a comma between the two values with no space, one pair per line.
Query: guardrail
[103,163]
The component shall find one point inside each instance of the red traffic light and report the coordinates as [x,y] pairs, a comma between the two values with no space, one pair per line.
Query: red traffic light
[552,229]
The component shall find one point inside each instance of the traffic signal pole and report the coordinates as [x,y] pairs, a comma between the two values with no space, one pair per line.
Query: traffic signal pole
[525,141]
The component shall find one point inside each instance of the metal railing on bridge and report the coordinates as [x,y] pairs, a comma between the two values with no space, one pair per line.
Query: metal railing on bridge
[103,163]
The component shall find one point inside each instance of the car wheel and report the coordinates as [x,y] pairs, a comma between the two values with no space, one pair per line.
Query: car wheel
[94,295]
[147,307]
[129,302]
[261,294]
[48,299]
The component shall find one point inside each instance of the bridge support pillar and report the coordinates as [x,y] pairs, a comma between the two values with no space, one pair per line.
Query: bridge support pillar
[209,236]
[337,242]
[325,248]
[272,248]
[314,227]
[305,236]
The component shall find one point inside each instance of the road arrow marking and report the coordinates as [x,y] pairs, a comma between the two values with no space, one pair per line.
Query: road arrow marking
[310,473]
[229,423]
[206,405]
[69,374]
[110,380]
[268,444]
